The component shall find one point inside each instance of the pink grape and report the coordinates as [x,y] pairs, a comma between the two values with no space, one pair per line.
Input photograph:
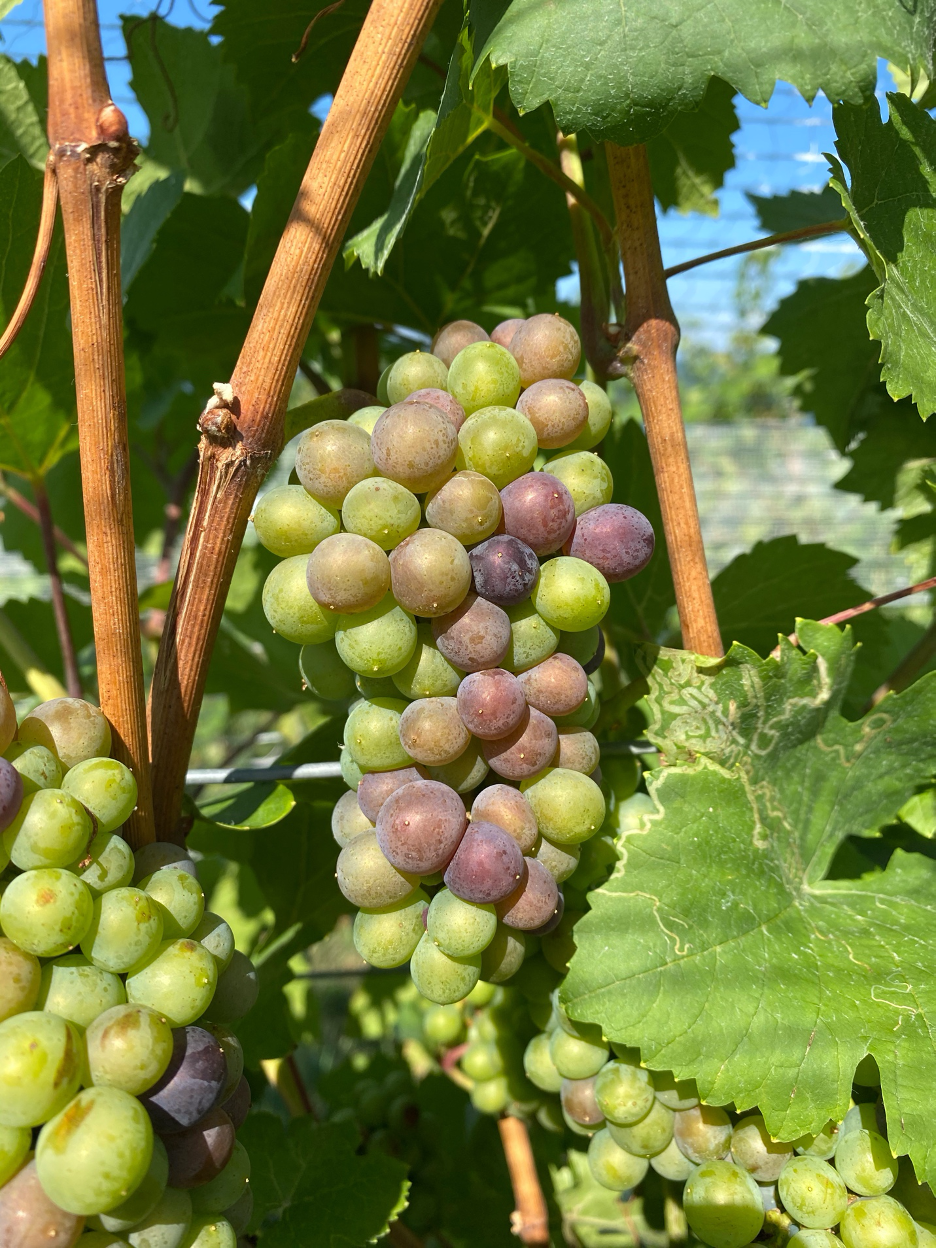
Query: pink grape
[375,787]
[491,703]
[503,333]
[614,538]
[507,808]
[534,902]
[474,636]
[539,510]
[453,337]
[545,346]
[414,444]
[443,401]
[557,409]
[557,686]
[526,750]
[420,826]
[487,865]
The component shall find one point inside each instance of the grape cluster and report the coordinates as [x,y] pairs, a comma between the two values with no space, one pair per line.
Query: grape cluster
[466,628]
[121,1081]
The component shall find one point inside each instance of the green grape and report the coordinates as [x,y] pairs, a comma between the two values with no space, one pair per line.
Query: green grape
[126,928]
[599,417]
[350,772]
[324,673]
[623,1092]
[498,442]
[491,1096]
[482,1061]
[586,477]
[583,716]
[460,928]
[559,860]
[178,981]
[417,370]
[70,727]
[128,1047]
[723,1205]
[574,1057]
[671,1164]
[289,521]
[372,734]
[753,1148]
[50,829]
[926,1234]
[878,1223]
[76,990]
[581,646]
[677,1094]
[427,673]
[703,1133]
[366,417]
[650,1135]
[387,936]
[37,764]
[504,955]
[15,1143]
[215,934]
[106,863]
[570,594]
[611,1166]
[864,1114]
[236,992]
[465,773]
[382,510]
[568,806]
[291,610]
[143,1200]
[483,994]
[442,1025]
[440,978]
[864,1160]
[331,457]
[180,899]
[539,1066]
[210,1231]
[815,1239]
[106,788]
[20,976]
[484,375]
[46,912]
[40,1067]
[378,642]
[227,1187]
[812,1192]
[367,879]
[531,639]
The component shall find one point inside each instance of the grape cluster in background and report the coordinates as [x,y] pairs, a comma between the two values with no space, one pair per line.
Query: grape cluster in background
[121,1080]
[446,562]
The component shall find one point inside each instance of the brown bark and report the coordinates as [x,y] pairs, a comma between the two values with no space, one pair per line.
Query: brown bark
[651,336]
[92,155]
[530,1219]
[243,433]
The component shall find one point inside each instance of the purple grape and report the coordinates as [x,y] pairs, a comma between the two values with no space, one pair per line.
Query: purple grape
[539,510]
[491,703]
[487,865]
[557,686]
[374,788]
[420,826]
[11,793]
[474,636]
[614,538]
[192,1083]
[553,921]
[534,903]
[238,1103]
[198,1155]
[525,751]
[504,570]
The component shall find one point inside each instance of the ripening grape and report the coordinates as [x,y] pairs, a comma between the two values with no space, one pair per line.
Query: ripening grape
[599,417]
[723,1205]
[233,1052]
[378,642]
[75,990]
[557,409]
[416,370]
[46,911]
[443,401]
[586,714]
[432,732]
[324,673]
[29,1219]
[20,976]
[611,1166]
[14,1148]
[331,457]
[473,636]
[460,928]
[467,505]
[753,1148]
[615,539]
[813,1193]
[376,787]
[441,978]
[497,441]
[624,1092]
[372,734]
[507,808]
[504,570]
[586,477]
[578,750]
[128,1047]
[524,751]
[671,1164]
[199,1154]
[289,521]
[419,827]
[465,773]
[347,573]
[491,703]
[487,865]
[236,991]
[348,820]
[531,639]
[50,830]
[534,902]
[367,879]
[414,444]
[503,333]
[864,1160]
[388,935]
[539,510]
[11,793]
[578,1101]
[40,1067]
[568,806]
[571,595]
[237,1105]
[70,727]
[557,686]
[191,1083]
[430,573]
[381,510]
[427,673]
[178,981]
[703,1133]
[559,860]
[454,337]
[290,609]
[544,346]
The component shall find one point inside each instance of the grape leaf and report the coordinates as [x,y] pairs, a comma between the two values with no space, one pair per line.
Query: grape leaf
[142,222]
[719,947]
[898,230]
[689,159]
[21,132]
[622,71]
[894,437]
[795,209]
[247,805]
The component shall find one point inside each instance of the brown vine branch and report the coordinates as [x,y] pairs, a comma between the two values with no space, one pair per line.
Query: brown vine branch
[39,258]
[871,605]
[802,235]
[92,155]
[303,42]
[650,339]
[530,1220]
[243,432]
[62,625]
[31,512]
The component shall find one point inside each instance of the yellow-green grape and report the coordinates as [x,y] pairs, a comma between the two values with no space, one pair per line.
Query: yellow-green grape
[291,610]
[74,989]
[70,727]
[128,1047]
[723,1205]
[20,976]
[366,417]
[569,806]
[570,594]
[677,1094]
[482,1060]
[225,1188]
[504,955]
[46,911]
[347,573]
[443,1025]
[491,1096]
[417,370]
[331,457]
[465,773]
[864,1160]
[926,1234]
[14,1147]
[367,879]
[348,820]
[574,1057]
[440,978]
[650,1135]
[381,510]
[671,1164]
[864,1114]
[817,1239]
[350,772]
[427,673]
[559,860]
[599,417]
[180,898]
[289,521]
[432,732]
[210,1231]
[498,442]
[50,829]
[812,1192]
[325,674]
[460,928]
[126,928]
[142,1200]
[484,375]
[178,982]
[106,788]
[372,735]
[531,639]
[821,1145]
[611,1166]
[539,1066]
[37,764]
[387,936]
[378,642]
[753,1148]
[623,1092]
[703,1133]
[467,505]
[106,863]
[40,1067]
[431,573]
[878,1223]
[585,475]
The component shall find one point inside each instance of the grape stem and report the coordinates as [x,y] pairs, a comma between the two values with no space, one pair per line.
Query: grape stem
[38,262]
[872,604]
[530,1220]
[801,235]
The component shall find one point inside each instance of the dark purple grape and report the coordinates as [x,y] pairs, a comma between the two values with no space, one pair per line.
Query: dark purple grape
[557,686]
[420,826]
[597,658]
[578,1101]
[539,510]
[553,921]
[532,904]
[192,1083]
[11,793]
[238,1103]
[474,636]
[376,787]
[614,538]
[487,865]
[197,1155]
[504,570]
[525,751]
[491,703]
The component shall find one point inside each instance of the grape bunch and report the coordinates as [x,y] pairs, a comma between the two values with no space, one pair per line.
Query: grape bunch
[446,562]
[121,1081]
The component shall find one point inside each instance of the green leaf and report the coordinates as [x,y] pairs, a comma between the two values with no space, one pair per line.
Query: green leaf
[21,132]
[894,436]
[322,1193]
[898,230]
[249,806]
[719,947]
[142,222]
[796,209]
[689,160]
[623,71]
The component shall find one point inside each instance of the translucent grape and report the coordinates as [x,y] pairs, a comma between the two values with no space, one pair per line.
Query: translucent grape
[126,928]
[331,457]
[199,1154]
[723,1205]
[387,936]
[372,734]
[578,1101]
[526,750]
[347,573]
[325,674]
[491,703]
[414,444]
[11,792]
[376,787]
[419,827]
[236,991]
[487,865]
[430,573]
[37,768]
[473,636]
[177,982]
[677,1094]
[128,1047]
[50,830]
[227,1187]
[557,409]
[46,912]
[443,401]
[557,686]
[623,1092]
[160,854]
[703,1133]
[586,477]
[14,1146]
[575,1057]
[863,1159]
[378,642]
[460,928]
[348,820]
[428,673]
[504,955]
[578,750]
[442,1025]
[503,333]
[671,1164]
[599,417]
[482,1061]
[812,1192]
[40,1067]
[289,521]
[559,860]
[381,510]
[416,370]
[467,505]
[508,809]
[611,1166]
[465,774]
[504,570]
[752,1147]
[366,417]
[74,989]
[180,898]
[367,879]
[191,1084]
[70,727]
[571,595]
[290,609]
[440,978]
[544,346]
[142,1200]
[531,639]
[539,1066]
[534,902]
[454,337]
[497,441]
[432,732]
[483,374]
[106,863]
[29,1219]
